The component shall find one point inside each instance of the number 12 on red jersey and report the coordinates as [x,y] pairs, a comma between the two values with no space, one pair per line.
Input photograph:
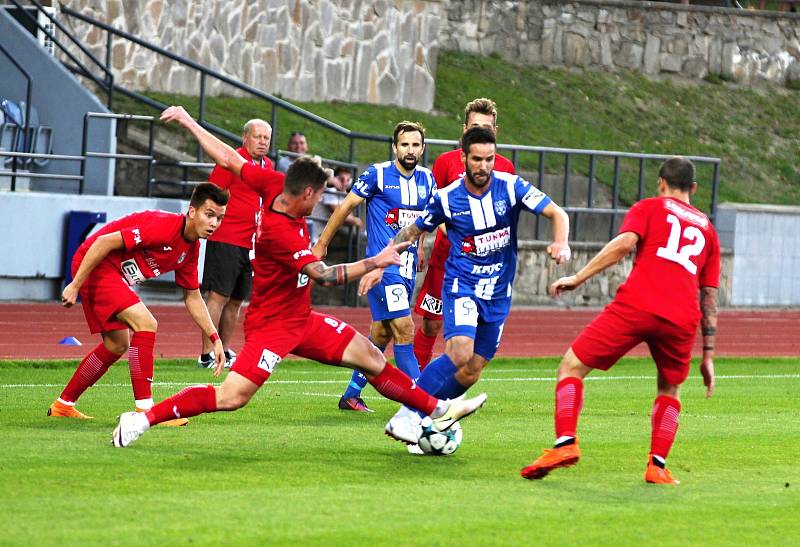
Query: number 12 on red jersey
[682,255]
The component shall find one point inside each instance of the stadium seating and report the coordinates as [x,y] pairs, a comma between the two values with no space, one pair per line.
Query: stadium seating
[37,139]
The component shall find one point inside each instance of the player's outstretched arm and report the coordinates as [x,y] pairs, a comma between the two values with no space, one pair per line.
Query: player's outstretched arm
[708,326]
[338,217]
[222,154]
[329,276]
[199,312]
[614,251]
[98,250]
[559,248]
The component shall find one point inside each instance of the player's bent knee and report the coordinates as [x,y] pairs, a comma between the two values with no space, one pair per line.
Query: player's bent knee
[117,347]
[571,366]
[460,356]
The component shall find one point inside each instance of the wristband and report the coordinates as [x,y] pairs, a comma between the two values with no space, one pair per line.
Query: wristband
[213,337]
[708,348]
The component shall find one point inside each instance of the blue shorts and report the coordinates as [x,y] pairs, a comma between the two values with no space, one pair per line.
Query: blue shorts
[391,298]
[481,320]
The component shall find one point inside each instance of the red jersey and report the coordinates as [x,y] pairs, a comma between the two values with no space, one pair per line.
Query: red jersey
[239,224]
[447,168]
[280,289]
[677,253]
[154,245]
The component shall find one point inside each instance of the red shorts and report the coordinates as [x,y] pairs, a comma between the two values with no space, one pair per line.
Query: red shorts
[319,337]
[619,328]
[104,294]
[429,301]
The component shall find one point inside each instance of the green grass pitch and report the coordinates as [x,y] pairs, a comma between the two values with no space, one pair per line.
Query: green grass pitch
[292,469]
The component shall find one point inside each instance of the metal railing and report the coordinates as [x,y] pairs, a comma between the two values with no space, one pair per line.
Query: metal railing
[149,157]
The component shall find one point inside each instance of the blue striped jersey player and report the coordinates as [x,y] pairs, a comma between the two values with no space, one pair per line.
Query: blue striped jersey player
[394,201]
[396,193]
[480,212]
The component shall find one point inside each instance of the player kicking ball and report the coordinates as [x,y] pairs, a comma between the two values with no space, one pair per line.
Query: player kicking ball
[120,255]
[677,254]
[280,319]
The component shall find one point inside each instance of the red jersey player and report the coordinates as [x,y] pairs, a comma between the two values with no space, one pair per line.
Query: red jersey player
[677,254]
[124,253]
[280,319]
[227,273]
[447,168]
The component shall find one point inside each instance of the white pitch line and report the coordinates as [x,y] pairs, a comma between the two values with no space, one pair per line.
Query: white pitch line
[523,379]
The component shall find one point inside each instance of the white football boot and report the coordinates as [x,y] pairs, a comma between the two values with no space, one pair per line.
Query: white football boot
[130,426]
[404,426]
[458,409]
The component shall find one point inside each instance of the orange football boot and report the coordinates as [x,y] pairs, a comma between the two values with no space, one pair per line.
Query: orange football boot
[60,410]
[658,475]
[553,458]
[177,422]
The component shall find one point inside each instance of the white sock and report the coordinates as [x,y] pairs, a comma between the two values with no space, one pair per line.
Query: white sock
[144,404]
[63,402]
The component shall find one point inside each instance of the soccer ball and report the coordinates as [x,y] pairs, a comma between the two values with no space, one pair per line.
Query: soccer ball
[439,443]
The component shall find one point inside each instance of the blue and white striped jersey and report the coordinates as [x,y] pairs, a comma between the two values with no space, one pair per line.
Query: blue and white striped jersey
[483,233]
[393,202]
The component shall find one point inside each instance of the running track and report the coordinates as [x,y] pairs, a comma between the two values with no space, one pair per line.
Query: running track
[32,331]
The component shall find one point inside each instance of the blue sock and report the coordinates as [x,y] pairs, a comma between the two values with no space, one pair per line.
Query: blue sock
[438,379]
[357,382]
[406,360]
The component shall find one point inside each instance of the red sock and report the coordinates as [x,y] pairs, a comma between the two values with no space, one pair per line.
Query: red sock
[188,402]
[569,402]
[395,385]
[664,420]
[89,371]
[423,348]
[140,357]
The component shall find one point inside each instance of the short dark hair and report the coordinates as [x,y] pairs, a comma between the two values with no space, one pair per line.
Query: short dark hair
[408,127]
[678,172]
[476,135]
[208,190]
[305,171]
[342,169]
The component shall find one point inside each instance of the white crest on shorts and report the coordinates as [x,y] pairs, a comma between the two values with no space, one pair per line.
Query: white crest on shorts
[268,360]
[182,257]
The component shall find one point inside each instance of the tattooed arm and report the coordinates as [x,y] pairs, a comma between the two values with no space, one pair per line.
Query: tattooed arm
[339,274]
[408,234]
[708,326]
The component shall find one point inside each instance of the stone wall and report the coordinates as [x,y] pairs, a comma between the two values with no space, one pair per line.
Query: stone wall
[384,51]
[323,50]
[649,37]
